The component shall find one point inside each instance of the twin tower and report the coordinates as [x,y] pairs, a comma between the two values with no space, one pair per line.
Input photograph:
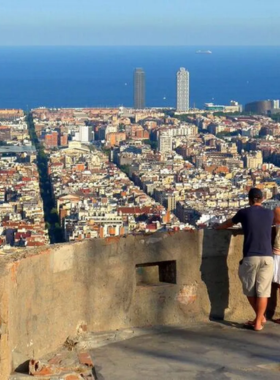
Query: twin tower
[183,89]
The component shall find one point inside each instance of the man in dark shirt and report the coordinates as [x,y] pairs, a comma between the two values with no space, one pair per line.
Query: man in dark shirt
[256,268]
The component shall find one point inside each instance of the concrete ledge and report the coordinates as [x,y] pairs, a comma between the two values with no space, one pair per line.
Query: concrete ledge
[51,293]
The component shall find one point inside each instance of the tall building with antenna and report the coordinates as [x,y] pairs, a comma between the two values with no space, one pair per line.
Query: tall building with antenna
[183,90]
[139,88]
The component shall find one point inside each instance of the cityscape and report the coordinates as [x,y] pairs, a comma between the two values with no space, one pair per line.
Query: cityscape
[71,174]
[139,190]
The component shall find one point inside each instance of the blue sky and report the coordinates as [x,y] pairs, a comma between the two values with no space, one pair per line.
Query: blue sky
[139,22]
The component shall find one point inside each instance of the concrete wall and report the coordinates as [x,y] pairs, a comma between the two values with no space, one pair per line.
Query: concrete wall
[48,294]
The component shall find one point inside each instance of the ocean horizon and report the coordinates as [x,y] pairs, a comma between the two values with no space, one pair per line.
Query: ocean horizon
[102,76]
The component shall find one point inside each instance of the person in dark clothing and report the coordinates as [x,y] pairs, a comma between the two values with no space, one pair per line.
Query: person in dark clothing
[21,242]
[10,236]
[256,268]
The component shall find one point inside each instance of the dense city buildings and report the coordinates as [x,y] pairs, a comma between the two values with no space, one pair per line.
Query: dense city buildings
[183,90]
[198,169]
[96,199]
[139,88]
[93,197]
[111,172]
[22,222]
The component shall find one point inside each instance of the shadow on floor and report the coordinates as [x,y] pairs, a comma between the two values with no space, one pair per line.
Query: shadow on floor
[207,349]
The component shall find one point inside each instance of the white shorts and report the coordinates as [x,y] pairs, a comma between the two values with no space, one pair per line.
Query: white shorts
[255,273]
[276,274]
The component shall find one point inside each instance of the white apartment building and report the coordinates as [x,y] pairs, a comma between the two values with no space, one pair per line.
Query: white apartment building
[165,143]
[85,134]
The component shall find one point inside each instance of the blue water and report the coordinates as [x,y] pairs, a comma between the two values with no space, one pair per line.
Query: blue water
[103,76]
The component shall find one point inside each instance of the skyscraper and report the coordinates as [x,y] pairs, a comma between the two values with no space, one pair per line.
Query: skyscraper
[183,90]
[139,88]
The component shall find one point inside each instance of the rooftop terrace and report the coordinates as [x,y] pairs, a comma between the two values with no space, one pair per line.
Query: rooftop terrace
[204,351]
[178,281]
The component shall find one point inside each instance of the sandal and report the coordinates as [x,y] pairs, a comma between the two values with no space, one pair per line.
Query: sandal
[249,323]
[252,323]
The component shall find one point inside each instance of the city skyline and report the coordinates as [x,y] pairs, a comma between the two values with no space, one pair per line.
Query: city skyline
[114,182]
[182,22]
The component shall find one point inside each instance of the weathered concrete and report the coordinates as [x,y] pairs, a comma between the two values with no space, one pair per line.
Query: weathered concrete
[210,351]
[98,285]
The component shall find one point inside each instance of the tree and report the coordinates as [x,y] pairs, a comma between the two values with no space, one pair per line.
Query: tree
[106,151]
[125,169]
[153,144]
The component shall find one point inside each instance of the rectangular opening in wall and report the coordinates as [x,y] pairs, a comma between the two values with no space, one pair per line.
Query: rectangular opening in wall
[155,274]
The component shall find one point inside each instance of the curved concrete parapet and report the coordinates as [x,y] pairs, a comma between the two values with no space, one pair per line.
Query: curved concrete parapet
[51,293]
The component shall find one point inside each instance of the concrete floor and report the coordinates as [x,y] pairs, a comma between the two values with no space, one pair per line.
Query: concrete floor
[210,351]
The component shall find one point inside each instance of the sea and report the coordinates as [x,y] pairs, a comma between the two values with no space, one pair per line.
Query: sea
[103,76]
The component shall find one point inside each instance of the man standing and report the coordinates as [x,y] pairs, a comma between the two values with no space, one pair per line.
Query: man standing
[256,268]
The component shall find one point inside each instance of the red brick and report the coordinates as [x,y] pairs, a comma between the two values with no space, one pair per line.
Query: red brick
[84,358]
[72,377]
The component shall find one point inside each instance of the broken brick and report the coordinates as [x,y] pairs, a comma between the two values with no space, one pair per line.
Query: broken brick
[72,377]
[85,359]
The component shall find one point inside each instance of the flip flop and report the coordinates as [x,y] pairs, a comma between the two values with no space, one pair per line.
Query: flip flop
[249,323]
[252,323]
[277,321]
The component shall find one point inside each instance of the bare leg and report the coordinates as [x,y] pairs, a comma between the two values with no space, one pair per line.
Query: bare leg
[261,305]
[253,302]
[278,286]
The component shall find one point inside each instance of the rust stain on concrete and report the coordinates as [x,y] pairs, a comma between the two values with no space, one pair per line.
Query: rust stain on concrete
[14,269]
[112,240]
[187,294]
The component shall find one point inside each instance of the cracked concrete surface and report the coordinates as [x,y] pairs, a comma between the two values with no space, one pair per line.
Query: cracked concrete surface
[210,351]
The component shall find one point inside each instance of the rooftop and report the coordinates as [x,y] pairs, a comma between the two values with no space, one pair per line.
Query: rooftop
[218,350]
[18,149]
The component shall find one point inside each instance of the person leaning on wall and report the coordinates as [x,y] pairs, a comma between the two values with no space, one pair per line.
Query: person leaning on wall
[256,267]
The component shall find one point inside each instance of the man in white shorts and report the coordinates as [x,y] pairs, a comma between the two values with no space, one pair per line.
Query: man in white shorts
[256,268]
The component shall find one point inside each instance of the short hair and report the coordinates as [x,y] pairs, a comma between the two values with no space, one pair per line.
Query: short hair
[255,195]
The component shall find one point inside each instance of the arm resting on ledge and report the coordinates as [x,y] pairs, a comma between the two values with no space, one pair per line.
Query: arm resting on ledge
[223,226]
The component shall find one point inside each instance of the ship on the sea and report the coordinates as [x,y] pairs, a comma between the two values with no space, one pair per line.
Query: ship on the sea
[203,52]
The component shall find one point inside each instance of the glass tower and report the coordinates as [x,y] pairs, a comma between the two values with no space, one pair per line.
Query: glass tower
[139,88]
[183,95]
